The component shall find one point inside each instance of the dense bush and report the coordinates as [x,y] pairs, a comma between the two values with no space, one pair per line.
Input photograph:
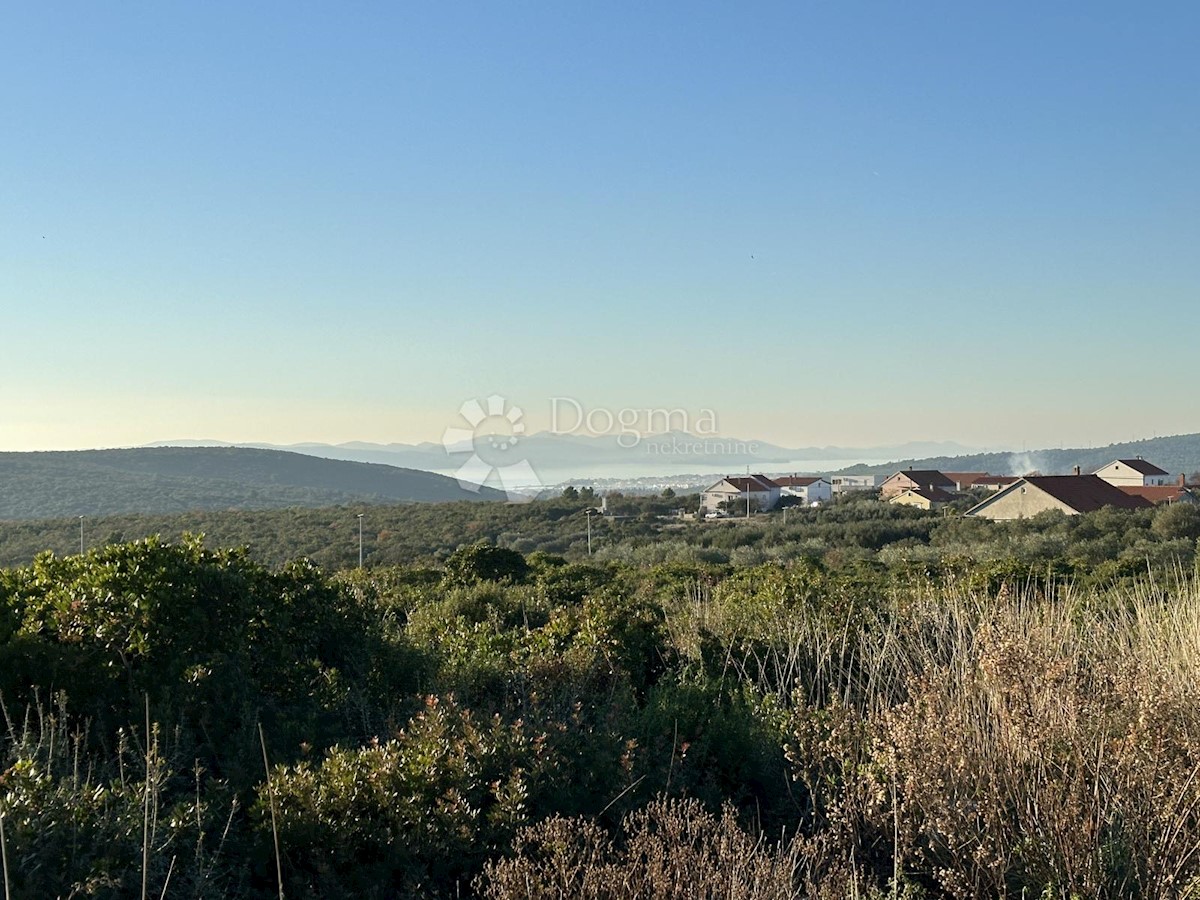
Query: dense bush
[213,642]
[945,717]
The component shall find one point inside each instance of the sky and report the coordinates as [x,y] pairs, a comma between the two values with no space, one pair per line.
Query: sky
[816,223]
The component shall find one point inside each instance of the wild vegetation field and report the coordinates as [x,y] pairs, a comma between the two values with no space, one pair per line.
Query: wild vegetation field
[852,702]
[857,532]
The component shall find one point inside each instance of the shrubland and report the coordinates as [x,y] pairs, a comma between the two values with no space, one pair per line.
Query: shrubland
[848,702]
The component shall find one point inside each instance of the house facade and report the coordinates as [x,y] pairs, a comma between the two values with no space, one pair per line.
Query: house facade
[914,478]
[1134,473]
[928,498]
[1069,494]
[840,484]
[808,488]
[994,482]
[761,491]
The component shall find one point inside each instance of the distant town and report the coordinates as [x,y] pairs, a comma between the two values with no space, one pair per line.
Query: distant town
[1123,483]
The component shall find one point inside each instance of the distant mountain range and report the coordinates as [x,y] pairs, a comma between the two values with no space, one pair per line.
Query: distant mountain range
[584,452]
[168,479]
[1178,454]
[178,479]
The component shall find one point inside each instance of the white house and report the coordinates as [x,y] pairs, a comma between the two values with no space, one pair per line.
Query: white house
[809,488]
[759,489]
[1134,473]
[843,483]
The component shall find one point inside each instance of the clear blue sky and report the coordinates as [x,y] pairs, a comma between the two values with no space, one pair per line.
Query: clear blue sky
[829,222]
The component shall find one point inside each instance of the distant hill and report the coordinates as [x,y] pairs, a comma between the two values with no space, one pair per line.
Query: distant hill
[584,452]
[1178,454]
[177,479]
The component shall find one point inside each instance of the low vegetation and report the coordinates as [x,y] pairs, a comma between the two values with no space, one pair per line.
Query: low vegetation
[851,702]
[858,532]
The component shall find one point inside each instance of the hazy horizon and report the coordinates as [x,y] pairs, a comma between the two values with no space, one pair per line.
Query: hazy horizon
[829,224]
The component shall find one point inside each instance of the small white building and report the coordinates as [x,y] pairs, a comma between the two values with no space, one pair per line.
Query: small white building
[1134,473]
[809,488]
[760,490]
[842,483]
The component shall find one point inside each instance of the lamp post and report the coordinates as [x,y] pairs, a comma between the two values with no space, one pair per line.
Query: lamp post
[81,535]
[588,512]
[360,544]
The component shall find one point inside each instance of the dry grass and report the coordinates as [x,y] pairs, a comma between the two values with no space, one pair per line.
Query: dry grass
[1056,746]
[1042,742]
[670,850]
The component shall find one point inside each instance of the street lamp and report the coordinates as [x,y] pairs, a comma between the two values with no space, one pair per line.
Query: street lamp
[589,512]
[360,546]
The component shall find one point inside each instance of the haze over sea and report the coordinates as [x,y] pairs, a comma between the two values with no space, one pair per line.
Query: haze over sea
[650,467]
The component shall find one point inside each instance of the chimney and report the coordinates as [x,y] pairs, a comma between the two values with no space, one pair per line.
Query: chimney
[1183,481]
[1077,470]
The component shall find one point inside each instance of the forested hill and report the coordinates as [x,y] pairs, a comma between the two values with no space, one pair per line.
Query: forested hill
[177,479]
[1178,454]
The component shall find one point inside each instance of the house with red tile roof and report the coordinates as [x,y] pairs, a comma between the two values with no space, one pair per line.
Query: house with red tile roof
[930,498]
[995,482]
[1161,495]
[964,481]
[914,478]
[808,488]
[1070,494]
[760,490]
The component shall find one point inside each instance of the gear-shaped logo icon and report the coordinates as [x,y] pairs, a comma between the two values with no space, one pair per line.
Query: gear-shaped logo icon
[496,428]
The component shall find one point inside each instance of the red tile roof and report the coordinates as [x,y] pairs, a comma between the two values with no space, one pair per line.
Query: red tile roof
[1085,493]
[752,483]
[925,478]
[1168,493]
[965,479]
[933,494]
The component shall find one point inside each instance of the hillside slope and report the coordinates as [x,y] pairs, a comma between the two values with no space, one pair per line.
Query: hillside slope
[177,479]
[1178,454]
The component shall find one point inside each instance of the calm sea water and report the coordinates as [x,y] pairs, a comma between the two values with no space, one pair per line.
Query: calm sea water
[669,469]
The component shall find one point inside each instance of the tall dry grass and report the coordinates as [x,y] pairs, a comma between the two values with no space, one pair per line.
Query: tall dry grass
[669,850]
[1055,746]
[1042,742]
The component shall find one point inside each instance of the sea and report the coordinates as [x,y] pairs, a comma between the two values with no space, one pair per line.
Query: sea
[648,474]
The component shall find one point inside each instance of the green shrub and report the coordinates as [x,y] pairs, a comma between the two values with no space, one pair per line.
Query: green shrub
[485,562]
[417,814]
[213,641]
